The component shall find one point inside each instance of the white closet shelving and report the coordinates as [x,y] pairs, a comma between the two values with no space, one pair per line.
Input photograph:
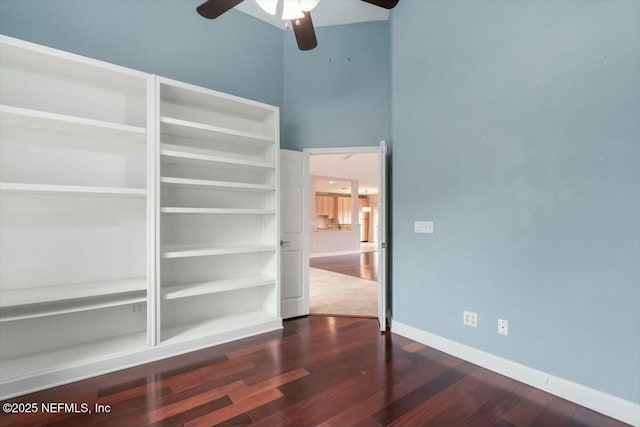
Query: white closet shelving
[70,189]
[218,223]
[138,217]
[74,210]
[168,181]
[52,122]
[215,286]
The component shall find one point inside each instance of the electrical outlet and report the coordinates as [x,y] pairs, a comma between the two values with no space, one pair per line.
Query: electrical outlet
[470,319]
[137,307]
[503,327]
[425,227]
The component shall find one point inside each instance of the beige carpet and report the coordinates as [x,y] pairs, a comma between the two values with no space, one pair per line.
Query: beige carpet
[335,293]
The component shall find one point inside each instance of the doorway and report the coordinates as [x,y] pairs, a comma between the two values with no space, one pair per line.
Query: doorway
[344,221]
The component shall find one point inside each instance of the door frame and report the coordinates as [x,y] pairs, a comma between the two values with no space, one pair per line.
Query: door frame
[381,269]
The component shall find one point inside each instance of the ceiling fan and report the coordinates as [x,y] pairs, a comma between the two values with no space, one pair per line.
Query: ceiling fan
[296,11]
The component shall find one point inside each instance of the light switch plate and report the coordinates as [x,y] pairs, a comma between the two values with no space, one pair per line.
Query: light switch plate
[425,227]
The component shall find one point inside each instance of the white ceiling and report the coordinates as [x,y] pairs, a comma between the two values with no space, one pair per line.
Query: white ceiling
[361,167]
[327,12]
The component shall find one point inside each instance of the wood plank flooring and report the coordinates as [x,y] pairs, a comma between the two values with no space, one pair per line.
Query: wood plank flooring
[318,371]
[364,265]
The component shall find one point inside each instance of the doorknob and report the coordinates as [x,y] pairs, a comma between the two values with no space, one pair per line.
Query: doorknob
[284,243]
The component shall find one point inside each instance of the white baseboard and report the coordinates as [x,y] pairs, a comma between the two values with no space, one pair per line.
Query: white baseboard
[598,401]
[324,254]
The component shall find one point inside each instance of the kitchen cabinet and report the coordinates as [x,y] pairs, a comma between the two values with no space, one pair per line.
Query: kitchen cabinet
[326,206]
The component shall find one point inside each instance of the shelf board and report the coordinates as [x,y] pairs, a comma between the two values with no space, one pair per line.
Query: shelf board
[205,183]
[216,286]
[184,251]
[66,307]
[70,67]
[68,356]
[176,92]
[180,210]
[189,155]
[72,189]
[52,122]
[216,325]
[187,129]
[57,293]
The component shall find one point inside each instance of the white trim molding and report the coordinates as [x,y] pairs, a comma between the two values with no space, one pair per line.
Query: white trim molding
[612,406]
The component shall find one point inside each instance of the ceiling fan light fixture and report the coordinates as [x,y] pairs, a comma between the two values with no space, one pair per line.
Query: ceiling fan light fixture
[268,6]
[308,5]
[291,10]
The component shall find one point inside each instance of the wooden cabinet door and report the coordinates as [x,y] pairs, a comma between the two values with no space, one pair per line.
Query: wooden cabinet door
[331,207]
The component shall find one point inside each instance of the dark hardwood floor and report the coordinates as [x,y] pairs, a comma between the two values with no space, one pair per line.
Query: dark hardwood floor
[318,371]
[363,265]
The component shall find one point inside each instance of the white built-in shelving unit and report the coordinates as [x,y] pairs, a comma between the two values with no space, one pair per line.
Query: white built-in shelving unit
[74,210]
[218,252]
[138,217]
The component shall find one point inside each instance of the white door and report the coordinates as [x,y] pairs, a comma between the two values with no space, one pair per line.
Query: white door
[382,238]
[294,233]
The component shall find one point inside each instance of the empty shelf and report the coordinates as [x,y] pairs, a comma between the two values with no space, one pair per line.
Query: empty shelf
[205,183]
[72,355]
[72,189]
[189,155]
[221,324]
[47,294]
[66,307]
[183,251]
[52,122]
[215,286]
[177,210]
[187,129]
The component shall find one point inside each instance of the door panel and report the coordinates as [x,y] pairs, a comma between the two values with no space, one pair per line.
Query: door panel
[292,281]
[294,234]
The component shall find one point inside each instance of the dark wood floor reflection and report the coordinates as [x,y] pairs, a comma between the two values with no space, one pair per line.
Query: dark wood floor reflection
[363,265]
[318,371]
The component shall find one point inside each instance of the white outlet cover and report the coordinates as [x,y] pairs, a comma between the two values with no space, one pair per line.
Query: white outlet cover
[423,227]
[470,318]
[503,327]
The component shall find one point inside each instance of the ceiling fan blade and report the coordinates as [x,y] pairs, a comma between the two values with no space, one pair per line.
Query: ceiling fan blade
[213,8]
[305,34]
[387,4]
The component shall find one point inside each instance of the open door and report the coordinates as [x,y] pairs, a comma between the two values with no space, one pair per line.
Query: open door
[294,233]
[382,238]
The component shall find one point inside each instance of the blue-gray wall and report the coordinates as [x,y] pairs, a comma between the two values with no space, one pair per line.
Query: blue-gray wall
[235,53]
[338,94]
[516,128]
